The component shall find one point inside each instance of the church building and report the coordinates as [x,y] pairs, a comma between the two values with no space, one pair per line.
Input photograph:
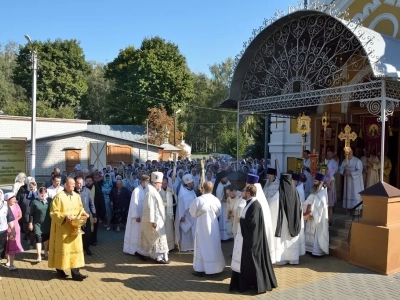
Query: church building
[314,70]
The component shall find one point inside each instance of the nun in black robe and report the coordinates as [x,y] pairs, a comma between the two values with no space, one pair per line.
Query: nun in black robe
[256,269]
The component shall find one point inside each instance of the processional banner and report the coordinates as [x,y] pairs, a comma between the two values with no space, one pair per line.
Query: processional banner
[313,163]
[372,131]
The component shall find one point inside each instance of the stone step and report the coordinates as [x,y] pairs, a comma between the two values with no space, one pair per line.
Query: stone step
[339,252]
[337,241]
[341,223]
[340,232]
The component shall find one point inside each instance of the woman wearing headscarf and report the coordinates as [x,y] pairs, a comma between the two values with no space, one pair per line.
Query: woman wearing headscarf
[40,221]
[30,194]
[106,190]
[18,182]
[120,197]
[13,244]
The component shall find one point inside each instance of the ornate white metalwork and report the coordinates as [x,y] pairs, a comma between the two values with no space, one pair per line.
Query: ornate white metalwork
[284,104]
[374,107]
[316,5]
[305,54]
[393,90]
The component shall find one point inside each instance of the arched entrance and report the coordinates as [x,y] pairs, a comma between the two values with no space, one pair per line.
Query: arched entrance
[308,59]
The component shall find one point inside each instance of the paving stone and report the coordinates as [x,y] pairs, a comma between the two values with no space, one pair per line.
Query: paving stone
[115,275]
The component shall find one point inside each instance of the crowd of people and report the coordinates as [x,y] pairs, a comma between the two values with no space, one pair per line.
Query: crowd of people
[166,206]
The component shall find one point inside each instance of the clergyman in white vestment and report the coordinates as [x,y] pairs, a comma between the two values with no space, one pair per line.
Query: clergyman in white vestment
[299,186]
[133,223]
[235,205]
[168,199]
[185,224]
[353,181]
[307,172]
[315,212]
[225,224]
[208,257]
[153,240]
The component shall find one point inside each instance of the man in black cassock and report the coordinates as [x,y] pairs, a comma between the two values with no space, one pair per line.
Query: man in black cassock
[251,262]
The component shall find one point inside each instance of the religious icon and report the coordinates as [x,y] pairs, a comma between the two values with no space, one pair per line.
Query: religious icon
[373,131]
[299,165]
[303,124]
[323,169]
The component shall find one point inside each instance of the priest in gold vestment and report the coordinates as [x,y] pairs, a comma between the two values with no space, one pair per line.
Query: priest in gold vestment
[66,250]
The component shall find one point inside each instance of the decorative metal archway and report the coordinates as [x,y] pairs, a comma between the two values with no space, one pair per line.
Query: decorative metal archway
[306,59]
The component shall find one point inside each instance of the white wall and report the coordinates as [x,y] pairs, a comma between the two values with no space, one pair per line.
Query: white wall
[284,144]
[15,126]
[50,152]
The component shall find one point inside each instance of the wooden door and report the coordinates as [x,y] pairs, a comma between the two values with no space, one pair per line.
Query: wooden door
[72,158]
[98,155]
[118,153]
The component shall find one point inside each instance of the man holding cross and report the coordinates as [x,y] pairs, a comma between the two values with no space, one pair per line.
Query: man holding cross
[353,181]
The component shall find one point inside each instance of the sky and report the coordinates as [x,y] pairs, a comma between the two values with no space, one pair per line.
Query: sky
[206,31]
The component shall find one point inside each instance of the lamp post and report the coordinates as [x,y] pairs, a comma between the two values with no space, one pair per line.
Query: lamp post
[147,139]
[34,61]
[175,113]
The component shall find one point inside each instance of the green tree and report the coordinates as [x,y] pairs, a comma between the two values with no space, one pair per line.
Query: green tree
[207,129]
[9,91]
[62,72]
[229,142]
[43,109]
[93,105]
[155,75]
[256,150]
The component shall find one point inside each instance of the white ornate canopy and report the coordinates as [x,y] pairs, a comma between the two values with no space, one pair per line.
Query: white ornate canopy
[309,58]
[296,62]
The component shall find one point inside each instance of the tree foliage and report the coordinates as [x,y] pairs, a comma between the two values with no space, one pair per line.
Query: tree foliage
[9,92]
[43,109]
[155,75]
[211,130]
[256,150]
[161,127]
[93,104]
[62,72]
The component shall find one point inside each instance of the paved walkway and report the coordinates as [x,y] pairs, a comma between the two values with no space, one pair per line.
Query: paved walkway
[115,275]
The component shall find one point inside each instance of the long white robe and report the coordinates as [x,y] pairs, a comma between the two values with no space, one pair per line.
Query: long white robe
[185,239]
[333,168]
[234,209]
[153,242]
[353,184]
[317,228]
[177,185]
[167,198]
[269,230]
[288,249]
[238,244]
[132,230]
[225,224]
[300,190]
[310,181]
[208,256]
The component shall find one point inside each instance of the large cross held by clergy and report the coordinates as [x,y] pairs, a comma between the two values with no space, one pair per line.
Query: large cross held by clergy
[347,135]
